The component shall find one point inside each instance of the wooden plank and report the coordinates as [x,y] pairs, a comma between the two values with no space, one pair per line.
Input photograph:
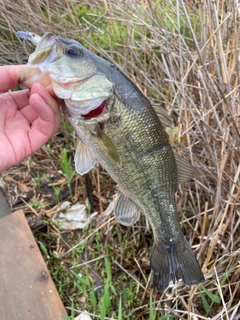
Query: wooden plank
[4,206]
[26,287]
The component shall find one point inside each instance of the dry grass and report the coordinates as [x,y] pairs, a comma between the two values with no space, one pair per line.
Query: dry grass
[184,55]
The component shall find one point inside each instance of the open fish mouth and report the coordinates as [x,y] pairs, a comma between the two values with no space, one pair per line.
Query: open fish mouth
[96,112]
[80,94]
[74,78]
[67,82]
[88,109]
[88,97]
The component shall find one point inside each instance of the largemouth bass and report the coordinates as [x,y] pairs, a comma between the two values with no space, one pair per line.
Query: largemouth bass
[118,127]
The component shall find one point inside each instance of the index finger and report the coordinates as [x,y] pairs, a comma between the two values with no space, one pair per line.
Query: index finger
[9,76]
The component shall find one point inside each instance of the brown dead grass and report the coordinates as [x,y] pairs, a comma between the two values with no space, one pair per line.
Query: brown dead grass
[185,58]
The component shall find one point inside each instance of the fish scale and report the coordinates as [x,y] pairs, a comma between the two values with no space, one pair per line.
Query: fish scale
[128,139]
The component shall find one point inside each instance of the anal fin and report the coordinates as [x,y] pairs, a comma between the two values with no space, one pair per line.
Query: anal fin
[126,212]
[185,170]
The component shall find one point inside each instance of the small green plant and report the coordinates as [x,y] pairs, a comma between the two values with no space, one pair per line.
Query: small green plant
[57,192]
[213,299]
[44,249]
[99,299]
[120,309]
[37,180]
[152,313]
[66,126]
[37,204]
[66,165]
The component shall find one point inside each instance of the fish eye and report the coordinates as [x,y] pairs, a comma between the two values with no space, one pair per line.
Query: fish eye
[73,51]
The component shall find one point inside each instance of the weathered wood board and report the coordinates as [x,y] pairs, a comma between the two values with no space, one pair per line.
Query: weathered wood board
[26,288]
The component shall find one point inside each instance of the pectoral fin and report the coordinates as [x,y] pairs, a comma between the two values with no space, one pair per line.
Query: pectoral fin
[185,170]
[84,161]
[126,212]
[107,146]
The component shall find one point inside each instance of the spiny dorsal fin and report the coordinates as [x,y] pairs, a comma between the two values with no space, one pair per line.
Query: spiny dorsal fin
[126,212]
[84,161]
[185,170]
[107,146]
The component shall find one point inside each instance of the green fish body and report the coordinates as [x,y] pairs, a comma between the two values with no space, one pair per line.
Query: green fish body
[118,127]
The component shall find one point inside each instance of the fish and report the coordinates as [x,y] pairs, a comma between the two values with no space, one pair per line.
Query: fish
[118,127]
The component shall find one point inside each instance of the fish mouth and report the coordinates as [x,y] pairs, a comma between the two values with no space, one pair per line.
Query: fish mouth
[74,79]
[64,88]
[88,109]
[96,112]
[89,99]
[67,82]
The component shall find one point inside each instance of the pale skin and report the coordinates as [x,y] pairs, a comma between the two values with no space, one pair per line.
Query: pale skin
[28,118]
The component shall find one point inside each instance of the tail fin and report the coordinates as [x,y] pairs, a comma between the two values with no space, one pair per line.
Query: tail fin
[172,263]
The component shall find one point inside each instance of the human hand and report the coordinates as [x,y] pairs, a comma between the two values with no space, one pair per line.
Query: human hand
[28,118]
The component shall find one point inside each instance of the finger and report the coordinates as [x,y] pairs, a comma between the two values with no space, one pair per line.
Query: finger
[46,124]
[40,104]
[21,98]
[43,128]
[46,94]
[29,113]
[9,77]
[17,101]
[12,103]
[50,90]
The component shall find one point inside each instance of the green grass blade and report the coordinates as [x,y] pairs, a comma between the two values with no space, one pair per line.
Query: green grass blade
[152,314]
[206,306]
[80,279]
[212,296]
[120,309]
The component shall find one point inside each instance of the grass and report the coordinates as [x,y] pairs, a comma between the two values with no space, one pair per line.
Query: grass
[184,56]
